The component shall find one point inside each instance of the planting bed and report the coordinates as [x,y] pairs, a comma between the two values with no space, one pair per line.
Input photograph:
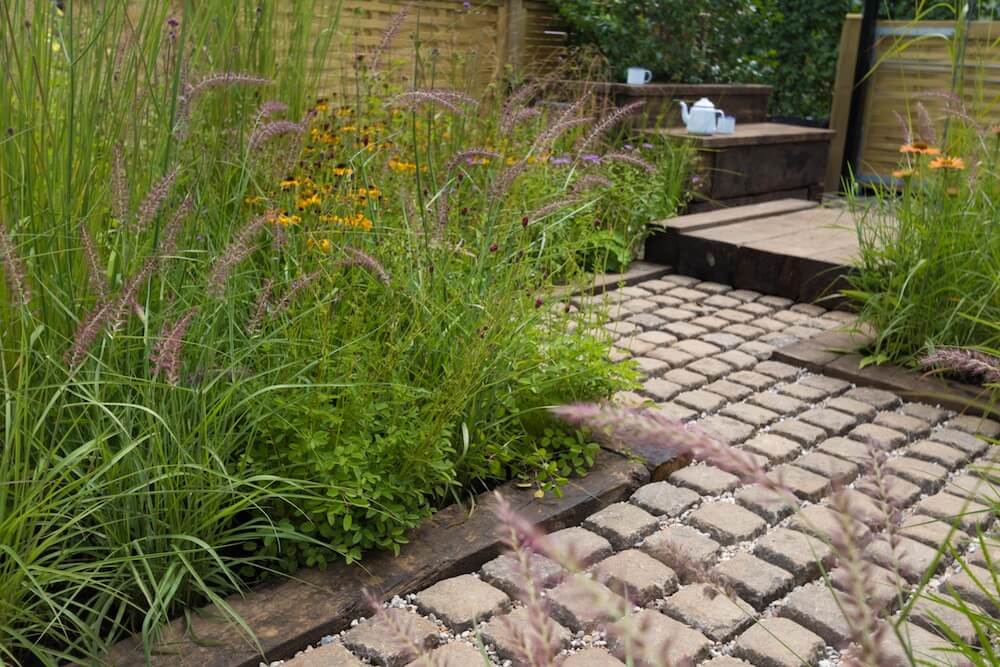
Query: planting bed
[707,351]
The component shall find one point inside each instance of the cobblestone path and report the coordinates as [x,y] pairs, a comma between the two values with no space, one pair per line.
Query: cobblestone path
[705,350]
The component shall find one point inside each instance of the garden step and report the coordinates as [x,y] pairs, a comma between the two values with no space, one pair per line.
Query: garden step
[789,248]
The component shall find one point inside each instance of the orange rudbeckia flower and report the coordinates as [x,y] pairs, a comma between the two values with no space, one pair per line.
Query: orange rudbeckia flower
[919,147]
[946,162]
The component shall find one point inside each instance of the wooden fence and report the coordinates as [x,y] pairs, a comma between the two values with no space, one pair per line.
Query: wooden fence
[470,44]
[914,62]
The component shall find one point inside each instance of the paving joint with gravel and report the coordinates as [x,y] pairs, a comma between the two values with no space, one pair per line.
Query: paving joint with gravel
[704,350]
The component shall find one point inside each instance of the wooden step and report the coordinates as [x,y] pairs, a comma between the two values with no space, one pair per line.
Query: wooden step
[792,248]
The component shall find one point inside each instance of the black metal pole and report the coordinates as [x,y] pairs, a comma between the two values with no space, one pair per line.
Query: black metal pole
[855,119]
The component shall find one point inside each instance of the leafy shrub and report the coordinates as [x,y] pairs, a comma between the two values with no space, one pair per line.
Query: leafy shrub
[789,44]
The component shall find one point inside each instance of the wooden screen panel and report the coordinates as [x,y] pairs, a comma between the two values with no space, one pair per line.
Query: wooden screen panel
[920,62]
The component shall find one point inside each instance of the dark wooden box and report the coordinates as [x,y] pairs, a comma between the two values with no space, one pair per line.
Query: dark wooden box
[759,162]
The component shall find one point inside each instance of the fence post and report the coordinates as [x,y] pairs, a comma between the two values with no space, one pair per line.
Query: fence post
[514,44]
[843,90]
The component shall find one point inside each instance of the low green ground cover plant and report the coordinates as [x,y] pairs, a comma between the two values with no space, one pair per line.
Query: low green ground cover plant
[247,330]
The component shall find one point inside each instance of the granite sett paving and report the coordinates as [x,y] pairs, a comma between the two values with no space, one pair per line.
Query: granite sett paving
[716,571]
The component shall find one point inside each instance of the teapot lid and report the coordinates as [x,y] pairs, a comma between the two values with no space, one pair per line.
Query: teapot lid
[704,103]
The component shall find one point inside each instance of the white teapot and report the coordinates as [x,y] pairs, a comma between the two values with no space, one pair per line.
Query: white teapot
[701,118]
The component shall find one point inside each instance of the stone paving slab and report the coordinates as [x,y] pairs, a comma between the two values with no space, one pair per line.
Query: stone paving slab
[725,574]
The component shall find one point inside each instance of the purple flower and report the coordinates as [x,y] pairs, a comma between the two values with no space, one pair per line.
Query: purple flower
[591,157]
[647,145]
[629,147]
[561,160]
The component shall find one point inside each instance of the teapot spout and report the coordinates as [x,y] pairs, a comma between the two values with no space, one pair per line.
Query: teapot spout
[685,114]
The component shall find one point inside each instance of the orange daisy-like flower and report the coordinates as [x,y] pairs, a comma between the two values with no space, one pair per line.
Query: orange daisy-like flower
[946,162]
[902,173]
[919,147]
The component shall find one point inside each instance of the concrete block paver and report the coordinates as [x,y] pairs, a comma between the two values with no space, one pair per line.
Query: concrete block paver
[729,390]
[330,655]
[909,557]
[801,432]
[927,413]
[801,392]
[727,523]
[462,601]
[814,607]
[685,379]
[659,389]
[665,499]
[935,452]
[713,369]
[754,380]
[779,403]
[670,356]
[662,638]
[738,359]
[928,476]
[379,639]
[454,654]
[578,546]
[835,469]
[970,444]
[726,429]
[832,386]
[881,437]
[778,370]
[679,548]
[704,479]
[724,341]
[757,349]
[969,515]
[506,634]
[621,524]
[507,573]
[636,576]
[803,483]
[779,642]
[774,447]
[833,422]
[756,581]
[701,401]
[772,506]
[912,427]
[584,604]
[974,425]
[750,414]
[797,553]
[592,657]
[852,407]
[709,610]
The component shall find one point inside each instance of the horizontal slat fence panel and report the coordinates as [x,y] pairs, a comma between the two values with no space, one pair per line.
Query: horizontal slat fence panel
[924,62]
[445,43]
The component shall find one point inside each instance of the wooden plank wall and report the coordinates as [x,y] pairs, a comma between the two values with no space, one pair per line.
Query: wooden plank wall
[919,62]
[460,46]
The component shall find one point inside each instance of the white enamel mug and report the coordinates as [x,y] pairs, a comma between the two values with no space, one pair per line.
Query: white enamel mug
[638,76]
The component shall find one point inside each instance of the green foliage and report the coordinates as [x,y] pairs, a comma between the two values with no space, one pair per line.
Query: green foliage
[677,40]
[929,256]
[789,44]
[404,355]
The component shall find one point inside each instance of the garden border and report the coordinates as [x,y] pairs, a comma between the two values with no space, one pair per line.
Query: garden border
[834,353]
[293,612]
